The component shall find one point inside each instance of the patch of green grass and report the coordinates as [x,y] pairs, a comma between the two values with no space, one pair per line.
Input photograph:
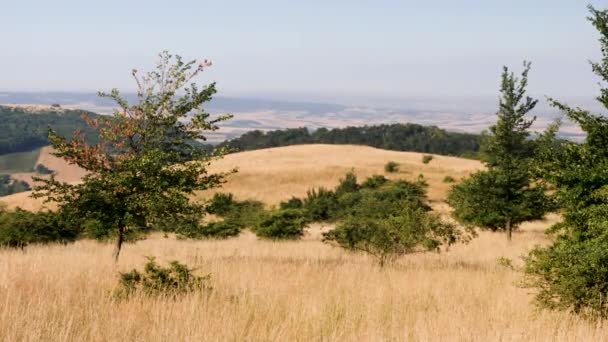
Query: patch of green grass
[19,162]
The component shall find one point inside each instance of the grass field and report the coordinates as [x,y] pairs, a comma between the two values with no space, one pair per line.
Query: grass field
[19,162]
[290,291]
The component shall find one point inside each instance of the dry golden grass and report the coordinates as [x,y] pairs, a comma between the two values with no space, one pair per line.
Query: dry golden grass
[289,291]
[276,174]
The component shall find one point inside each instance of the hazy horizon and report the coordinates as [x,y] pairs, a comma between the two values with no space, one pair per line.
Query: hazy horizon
[387,53]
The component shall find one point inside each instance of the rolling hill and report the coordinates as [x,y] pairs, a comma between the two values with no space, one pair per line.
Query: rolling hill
[275,174]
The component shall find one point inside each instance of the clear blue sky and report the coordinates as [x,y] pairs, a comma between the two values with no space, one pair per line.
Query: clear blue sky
[317,48]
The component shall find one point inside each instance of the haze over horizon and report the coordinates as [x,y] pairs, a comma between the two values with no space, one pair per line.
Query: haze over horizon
[350,52]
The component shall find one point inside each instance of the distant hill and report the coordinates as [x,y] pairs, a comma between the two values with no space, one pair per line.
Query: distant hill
[25,128]
[397,137]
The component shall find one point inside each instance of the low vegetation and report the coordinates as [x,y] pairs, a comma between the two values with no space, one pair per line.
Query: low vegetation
[391,167]
[427,158]
[155,280]
[9,186]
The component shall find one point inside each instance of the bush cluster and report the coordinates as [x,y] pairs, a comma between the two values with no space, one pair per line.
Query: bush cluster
[20,228]
[156,280]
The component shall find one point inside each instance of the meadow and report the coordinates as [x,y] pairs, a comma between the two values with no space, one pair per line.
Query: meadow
[290,291]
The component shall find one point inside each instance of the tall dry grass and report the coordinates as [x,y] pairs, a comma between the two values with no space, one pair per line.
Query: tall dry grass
[289,291]
[284,291]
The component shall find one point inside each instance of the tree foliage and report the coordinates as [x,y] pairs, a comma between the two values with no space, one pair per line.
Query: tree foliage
[145,166]
[398,137]
[507,193]
[24,130]
[572,273]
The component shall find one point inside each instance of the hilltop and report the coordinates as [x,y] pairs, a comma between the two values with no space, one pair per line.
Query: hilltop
[275,174]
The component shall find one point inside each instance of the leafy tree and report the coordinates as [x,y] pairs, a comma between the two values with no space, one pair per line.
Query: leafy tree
[507,193]
[146,165]
[572,273]
[390,222]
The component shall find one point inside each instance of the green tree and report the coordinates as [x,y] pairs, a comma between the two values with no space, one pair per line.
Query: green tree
[506,194]
[572,273]
[146,164]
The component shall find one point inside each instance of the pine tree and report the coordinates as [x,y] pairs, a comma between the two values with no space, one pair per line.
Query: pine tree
[147,162]
[572,273]
[506,194]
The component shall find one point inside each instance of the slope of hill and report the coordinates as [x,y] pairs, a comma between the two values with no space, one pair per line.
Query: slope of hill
[25,128]
[276,174]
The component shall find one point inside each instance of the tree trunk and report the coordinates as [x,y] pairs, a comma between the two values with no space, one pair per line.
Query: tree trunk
[119,241]
[509,229]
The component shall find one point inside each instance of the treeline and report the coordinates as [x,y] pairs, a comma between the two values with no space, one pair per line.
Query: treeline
[398,137]
[22,130]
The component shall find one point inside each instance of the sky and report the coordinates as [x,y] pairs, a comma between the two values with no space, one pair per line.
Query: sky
[358,51]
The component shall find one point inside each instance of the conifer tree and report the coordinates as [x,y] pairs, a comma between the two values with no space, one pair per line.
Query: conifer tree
[572,273]
[504,195]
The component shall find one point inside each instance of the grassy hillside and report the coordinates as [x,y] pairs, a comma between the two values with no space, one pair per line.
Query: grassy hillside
[19,161]
[300,291]
[276,174]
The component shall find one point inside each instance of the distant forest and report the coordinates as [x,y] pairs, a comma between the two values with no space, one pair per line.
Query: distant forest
[22,130]
[398,137]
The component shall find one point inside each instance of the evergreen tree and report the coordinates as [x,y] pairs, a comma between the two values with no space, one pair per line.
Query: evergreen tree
[572,273]
[146,165]
[504,195]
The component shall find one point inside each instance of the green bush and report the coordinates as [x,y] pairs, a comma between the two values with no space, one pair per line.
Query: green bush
[245,214]
[292,203]
[282,224]
[155,280]
[391,167]
[43,170]
[427,158]
[20,228]
[374,182]
[220,230]
[220,204]
[347,184]
[449,179]
[408,230]
[320,204]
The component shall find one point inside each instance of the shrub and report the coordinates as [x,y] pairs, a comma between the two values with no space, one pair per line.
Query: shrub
[374,182]
[410,230]
[20,228]
[246,214]
[282,224]
[391,167]
[9,186]
[220,204]
[449,179]
[427,158]
[155,280]
[220,230]
[347,184]
[43,170]
[292,203]
[320,204]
